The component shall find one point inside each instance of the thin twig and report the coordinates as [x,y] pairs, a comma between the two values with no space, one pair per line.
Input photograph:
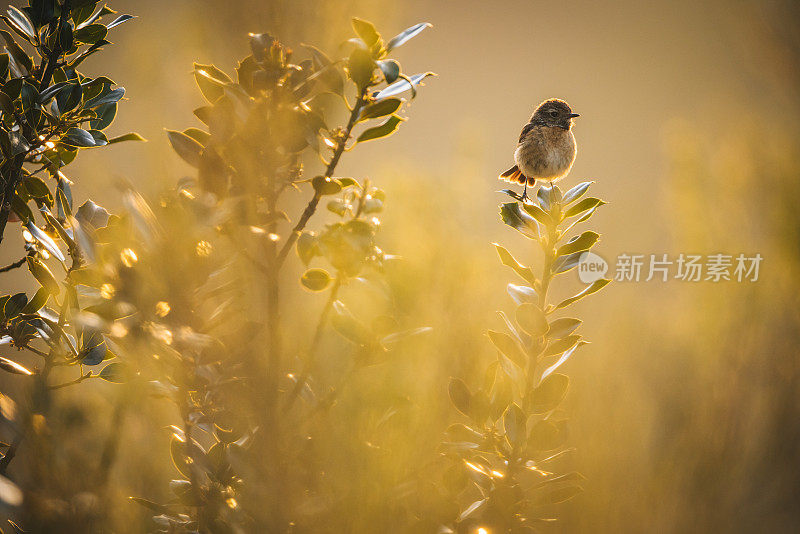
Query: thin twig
[16,265]
[314,202]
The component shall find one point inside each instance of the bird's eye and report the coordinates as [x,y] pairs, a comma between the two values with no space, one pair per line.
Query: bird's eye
[554,114]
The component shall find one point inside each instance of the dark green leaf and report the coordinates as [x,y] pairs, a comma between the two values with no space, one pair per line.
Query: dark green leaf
[90,34]
[38,301]
[514,217]
[325,186]
[390,69]
[14,305]
[380,109]
[78,137]
[110,97]
[385,129]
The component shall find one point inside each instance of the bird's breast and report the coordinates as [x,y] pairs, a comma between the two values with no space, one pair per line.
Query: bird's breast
[546,153]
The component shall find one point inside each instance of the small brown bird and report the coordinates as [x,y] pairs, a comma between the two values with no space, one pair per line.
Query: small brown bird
[546,147]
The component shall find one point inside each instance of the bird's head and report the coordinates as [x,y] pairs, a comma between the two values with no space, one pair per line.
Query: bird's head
[554,113]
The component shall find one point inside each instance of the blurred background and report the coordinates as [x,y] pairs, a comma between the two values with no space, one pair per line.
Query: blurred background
[685,408]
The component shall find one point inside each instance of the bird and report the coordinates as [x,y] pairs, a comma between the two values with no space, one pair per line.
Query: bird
[546,148]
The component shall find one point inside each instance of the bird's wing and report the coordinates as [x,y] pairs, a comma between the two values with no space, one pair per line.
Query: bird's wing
[525,130]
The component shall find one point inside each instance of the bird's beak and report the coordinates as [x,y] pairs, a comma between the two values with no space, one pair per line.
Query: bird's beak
[573,115]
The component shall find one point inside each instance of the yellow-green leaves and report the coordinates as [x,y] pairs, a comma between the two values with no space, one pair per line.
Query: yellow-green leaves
[549,393]
[531,319]
[594,288]
[508,260]
[460,396]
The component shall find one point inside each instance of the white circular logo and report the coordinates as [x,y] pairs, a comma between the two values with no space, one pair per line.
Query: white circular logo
[591,267]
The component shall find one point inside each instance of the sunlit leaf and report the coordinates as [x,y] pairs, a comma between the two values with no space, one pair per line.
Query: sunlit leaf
[186,147]
[366,31]
[385,129]
[508,346]
[43,275]
[460,395]
[580,243]
[531,319]
[133,136]
[576,192]
[563,327]
[13,367]
[390,69]
[514,217]
[406,35]
[583,205]
[549,393]
[508,260]
[564,357]
[45,240]
[401,86]
[545,436]
[380,109]
[315,279]
[596,286]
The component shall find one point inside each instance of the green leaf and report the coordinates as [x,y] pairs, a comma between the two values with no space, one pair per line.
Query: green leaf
[385,129]
[14,304]
[78,137]
[325,186]
[508,346]
[460,396]
[307,247]
[38,301]
[545,436]
[115,372]
[531,319]
[538,213]
[110,97]
[514,217]
[401,86]
[576,192]
[90,34]
[21,21]
[45,240]
[549,393]
[348,326]
[564,357]
[17,53]
[211,81]
[380,109]
[390,69]
[514,423]
[13,367]
[580,243]
[133,136]
[366,31]
[43,274]
[406,35]
[360,67]
[563,327]
[120,20]
[315,279]
[508,260]
[583,205]
[561,345]
[186,147]
[596,286]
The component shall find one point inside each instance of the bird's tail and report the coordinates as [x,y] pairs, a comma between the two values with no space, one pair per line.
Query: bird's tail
[515,176]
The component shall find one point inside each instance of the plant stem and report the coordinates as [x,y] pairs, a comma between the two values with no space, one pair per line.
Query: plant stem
[314,202]
[309,363]
[17,264]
